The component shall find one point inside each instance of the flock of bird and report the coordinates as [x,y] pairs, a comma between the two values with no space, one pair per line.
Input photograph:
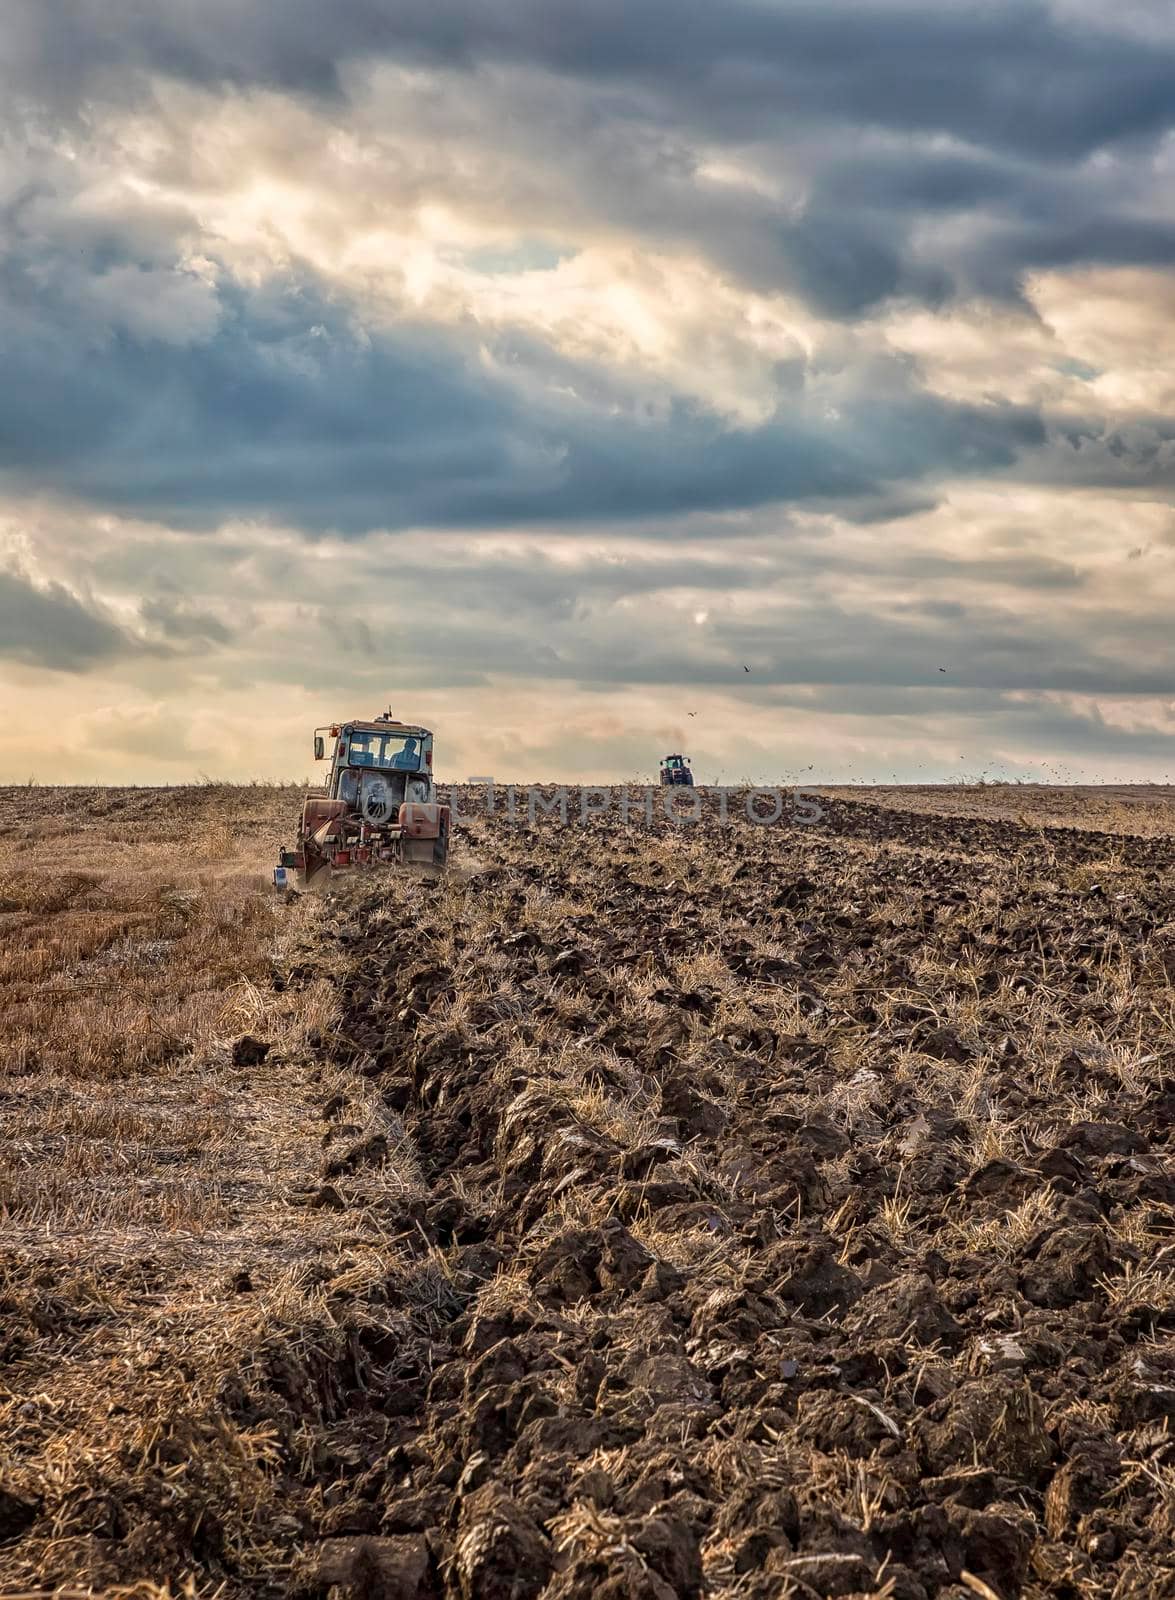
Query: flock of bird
[1056,774]
[747,669]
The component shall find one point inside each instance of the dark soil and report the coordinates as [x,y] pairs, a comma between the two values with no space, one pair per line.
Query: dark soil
[786,1211]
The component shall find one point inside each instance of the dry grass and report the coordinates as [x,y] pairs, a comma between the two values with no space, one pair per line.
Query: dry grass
[158,1253]
[138,940]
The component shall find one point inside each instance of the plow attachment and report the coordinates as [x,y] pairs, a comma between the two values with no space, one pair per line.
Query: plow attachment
[333,839]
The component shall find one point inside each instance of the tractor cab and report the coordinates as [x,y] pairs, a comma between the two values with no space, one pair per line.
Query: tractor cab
[676,770]
[376,767]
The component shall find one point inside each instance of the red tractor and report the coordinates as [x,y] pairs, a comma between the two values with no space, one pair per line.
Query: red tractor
[380,802]
[676,770]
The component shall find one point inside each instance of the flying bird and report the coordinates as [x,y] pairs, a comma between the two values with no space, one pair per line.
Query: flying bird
[691,713]
[942,669]
[746,668]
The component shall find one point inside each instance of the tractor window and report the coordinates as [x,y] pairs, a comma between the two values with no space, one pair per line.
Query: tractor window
[396,752]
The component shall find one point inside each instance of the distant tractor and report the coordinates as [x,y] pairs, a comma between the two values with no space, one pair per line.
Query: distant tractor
[675,770]
[380,802]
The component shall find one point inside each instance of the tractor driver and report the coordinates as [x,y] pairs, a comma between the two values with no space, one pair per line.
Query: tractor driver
[407,759]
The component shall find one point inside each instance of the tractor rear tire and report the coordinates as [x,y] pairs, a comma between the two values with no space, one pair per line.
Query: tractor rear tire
[440,850]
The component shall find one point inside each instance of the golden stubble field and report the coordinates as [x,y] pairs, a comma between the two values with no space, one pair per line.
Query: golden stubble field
[627,1211]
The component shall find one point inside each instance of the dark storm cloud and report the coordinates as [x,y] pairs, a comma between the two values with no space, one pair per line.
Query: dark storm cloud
[282,406]
[1011,75]
[50,627]
[852,101]
[869,212]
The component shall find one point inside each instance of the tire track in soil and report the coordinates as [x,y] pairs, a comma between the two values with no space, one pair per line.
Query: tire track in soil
[775,1236]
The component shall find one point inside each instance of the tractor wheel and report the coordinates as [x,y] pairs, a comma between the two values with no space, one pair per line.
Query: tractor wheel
[440,851]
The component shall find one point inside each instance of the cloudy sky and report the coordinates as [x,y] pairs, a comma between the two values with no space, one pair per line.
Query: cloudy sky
[539,366]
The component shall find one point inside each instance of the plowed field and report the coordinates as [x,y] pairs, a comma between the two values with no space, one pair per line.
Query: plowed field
[627,1211]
